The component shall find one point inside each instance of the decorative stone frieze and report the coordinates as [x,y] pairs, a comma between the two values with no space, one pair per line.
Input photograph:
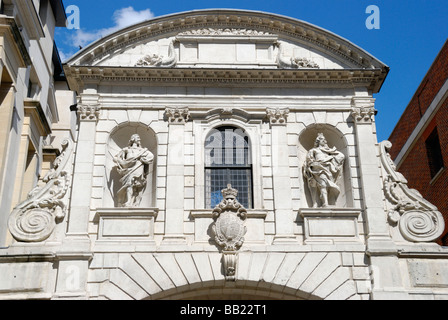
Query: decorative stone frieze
[229,229]
[224,32]
[417,219]
[35,219]
[277,116]
[274,77]
[179,115]
[88,112]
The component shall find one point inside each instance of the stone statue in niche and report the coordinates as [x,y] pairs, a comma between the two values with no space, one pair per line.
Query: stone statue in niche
[133,164]
[322,169]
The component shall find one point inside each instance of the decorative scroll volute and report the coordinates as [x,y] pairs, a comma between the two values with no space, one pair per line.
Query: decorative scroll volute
[417,219]
[229,229]
[34,219]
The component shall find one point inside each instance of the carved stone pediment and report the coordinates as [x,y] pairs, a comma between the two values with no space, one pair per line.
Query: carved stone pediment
[226,39]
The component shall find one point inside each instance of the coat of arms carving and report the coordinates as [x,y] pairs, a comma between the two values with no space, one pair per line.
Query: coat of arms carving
[229,229]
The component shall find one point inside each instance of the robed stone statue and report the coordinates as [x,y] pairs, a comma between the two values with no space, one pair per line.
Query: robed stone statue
[133,164]
[322,169]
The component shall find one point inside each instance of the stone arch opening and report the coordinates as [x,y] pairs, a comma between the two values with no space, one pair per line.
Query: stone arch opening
[232,291]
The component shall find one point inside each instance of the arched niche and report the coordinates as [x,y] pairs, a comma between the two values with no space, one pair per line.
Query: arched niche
[119,139]
[336,139]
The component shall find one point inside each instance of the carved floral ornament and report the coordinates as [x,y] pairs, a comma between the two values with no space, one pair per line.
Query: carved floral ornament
[224,32]
[417,219]
[35,219]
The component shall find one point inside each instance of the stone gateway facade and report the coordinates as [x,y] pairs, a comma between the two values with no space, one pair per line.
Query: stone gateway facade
[224,154]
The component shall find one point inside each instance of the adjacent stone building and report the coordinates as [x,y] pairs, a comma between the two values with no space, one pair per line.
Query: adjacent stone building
[224,154]
[29,116]
[420,138]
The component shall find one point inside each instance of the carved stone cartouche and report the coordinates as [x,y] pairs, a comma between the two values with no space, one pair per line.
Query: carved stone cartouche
[229,229]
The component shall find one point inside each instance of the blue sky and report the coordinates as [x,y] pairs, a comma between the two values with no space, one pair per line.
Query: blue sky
[411,34]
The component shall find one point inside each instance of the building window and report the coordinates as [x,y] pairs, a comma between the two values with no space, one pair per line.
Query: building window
[228,161]
[434,153]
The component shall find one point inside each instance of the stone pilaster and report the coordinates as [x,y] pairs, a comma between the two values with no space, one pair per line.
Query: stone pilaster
[363,112]
[281,176]
[77,228]
[382,250]
[174,211]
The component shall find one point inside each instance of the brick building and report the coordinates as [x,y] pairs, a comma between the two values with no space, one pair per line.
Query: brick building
[421,136]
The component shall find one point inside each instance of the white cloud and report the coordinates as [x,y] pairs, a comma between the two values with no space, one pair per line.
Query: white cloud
[122,18]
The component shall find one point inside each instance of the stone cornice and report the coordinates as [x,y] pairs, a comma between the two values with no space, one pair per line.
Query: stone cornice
[35,110]
[8,25]
[78,76]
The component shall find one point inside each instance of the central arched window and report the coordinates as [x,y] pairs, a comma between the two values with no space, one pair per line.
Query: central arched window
[228,161]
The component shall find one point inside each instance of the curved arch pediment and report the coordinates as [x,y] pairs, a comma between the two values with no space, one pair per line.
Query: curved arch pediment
[228,39]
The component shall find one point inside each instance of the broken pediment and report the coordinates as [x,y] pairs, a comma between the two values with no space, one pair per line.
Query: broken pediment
[225,39]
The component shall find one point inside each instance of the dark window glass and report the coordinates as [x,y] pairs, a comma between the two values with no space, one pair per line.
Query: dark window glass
[228,161]
[434,152]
